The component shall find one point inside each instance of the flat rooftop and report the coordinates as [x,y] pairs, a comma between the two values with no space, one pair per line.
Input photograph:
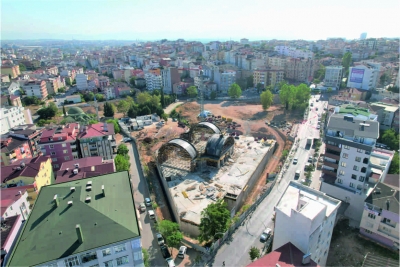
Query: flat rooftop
[313,201]
[192,192]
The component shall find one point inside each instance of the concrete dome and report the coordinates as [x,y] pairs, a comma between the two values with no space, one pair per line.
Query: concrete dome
[75,111]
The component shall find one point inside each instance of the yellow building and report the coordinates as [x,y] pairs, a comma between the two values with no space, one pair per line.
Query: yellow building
[37,171]
[268,77]
[12,70]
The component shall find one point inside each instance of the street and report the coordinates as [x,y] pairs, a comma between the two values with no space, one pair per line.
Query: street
[235,252]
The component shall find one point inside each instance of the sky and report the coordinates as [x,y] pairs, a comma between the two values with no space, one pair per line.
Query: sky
[195,20]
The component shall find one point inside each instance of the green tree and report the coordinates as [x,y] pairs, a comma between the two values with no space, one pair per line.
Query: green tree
[266,99]
[192,91]
[234,91]
[108,110]
[214,220]
[122,150]
[88,97]
[394,164]
[346,61]
[213,95]
[132,112]
[171,232]
[390,139]
[22,67]
[123,107]
[384,78]
[146,257]
[143,98]
[116,126]
[145,110]
[254,253]
[250,81]
[329,90]
[316,81]
[259,87]
[61,90]
[121,163]
[132,81]
[393,89]
[93,121]
[155,100]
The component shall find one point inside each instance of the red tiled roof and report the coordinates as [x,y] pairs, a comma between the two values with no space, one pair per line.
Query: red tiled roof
[95,130]
[10,195]
[287,255]
[31,169]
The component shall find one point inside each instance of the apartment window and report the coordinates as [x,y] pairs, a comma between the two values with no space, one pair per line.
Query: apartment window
[341,172]
[108,263]
[106,252]
[353,176]
[53,159]
[137,255]
[355,168]
[351,185]
[345,155]
[386,229]
[66,158]
[136,244]
[361,178]
[52,153]
[360,150]
[64,145]
[123,260]
[119,248]
[55,166]
[368,231]
[359,187]
[59,138]
[73,261]
[65,151]
[371,215]
[51,146]
[358,159]
[346,147]
[340,181]
[343,164]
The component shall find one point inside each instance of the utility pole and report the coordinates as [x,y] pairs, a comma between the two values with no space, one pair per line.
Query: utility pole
[201,89]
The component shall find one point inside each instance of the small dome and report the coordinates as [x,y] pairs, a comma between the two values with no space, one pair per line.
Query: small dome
[75,111]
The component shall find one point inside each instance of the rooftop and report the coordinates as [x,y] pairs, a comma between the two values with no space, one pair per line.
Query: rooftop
[10,195]
[49,233]
[96,130]
[24,167]
[66,133]
[7,226]
[387,107]
[306,201]
[385,196]
[353,110]
[14,144]
[209,183]
[353,126]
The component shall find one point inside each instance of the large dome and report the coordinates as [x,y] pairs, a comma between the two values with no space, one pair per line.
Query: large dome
[75,111]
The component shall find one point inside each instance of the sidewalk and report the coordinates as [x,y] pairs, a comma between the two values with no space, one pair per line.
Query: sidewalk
[315,180]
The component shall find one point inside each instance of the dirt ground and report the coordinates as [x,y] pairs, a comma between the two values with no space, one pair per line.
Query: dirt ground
[349,249]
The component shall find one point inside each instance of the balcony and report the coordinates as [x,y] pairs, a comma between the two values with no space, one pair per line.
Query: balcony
[331,164]
[334,148]
[332,156]
[328,172]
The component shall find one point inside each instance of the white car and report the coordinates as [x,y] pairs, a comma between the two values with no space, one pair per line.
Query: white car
[318,127]
[295,160]
[182,252]
[170,262]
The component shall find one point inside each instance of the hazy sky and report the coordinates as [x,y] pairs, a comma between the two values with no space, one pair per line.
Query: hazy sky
[200,19]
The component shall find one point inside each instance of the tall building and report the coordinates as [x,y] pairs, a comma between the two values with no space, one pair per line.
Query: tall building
[36,88]
[352,165]
[333,77]
[305,217]
[97,140]
[364,77]
[87,222]
[170,76]
[11,117]
[268,77]
[299,69]
[227,78]
[363,36]
[14,201]
[153,81]
[81,81]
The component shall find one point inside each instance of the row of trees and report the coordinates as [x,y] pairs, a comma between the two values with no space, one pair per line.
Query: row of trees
[122,159]
[293,97]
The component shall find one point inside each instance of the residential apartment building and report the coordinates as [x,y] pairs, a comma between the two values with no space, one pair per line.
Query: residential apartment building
[227,78]
[170,76]
[293,52]
[60,143]
[271,76]
[333,77]
[104,82]
[77,232]
[97,140]
[388,115]
[11,117]
[13,149]
[82,81]
[153,81]
[10,229]
[11,70]
[36,88]
[30,133]
[279,62]
[10,88]
[109,92]
[14,201]
[380,218]
[352,164]
[364,77]
[52,70]
[34,171]
[299,69]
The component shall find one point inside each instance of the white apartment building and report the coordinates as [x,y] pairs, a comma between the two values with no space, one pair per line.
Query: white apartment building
[36,88]
[81,81]
[388,115]
[352,164]
[15,201]
[227,78]
[305,217]
[153,81]
[10,88]
[364,77]
[293,52]
[13,116]
[169,76]
[109,92]
[333,77]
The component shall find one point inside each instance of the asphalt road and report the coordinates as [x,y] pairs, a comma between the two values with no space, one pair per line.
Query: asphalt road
[235,252]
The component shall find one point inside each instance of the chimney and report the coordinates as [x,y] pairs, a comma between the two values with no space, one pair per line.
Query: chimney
[387,204]
[102,189]
[79,233]
[56,200]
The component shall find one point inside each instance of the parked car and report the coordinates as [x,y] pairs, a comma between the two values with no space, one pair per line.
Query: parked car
[151,214]
[126,139]
[318,127]
[310,159]
[265,235]
[170,262]
[297,174]
[182,252]
[165,251]
[147,201]
[295,160]
[160,239]
[142,207]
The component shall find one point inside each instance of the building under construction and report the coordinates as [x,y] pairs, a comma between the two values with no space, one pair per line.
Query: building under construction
[205,165]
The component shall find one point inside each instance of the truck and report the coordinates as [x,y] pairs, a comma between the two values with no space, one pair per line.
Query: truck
[309,143]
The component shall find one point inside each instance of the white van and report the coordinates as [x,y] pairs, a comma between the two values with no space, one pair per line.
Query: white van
[151,214]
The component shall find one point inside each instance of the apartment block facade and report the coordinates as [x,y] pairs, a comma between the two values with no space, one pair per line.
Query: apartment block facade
[333,77]
[82,81]
[97,140]
[170,76]
[14,201]
[300,70]
[388,115]
[268,77]
[153,81]
[305,217]
[12,70]
[364,77]
[12,117]
[227,78]
[36,88]
[30,133]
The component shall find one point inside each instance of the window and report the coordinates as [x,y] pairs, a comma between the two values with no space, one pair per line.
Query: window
[55,166]
[137,255]
[359,187]
[106,252]
[386,229]
[11,208]
[368,231]
[387,220]
[65,151]
[345,155]
[52,153]
[64,145]
[358,159]
[361,178]
[351,185]
[136,244]
[360,150]
[73,261]
[119,248]
[341,173]
[59,138]
[371,215]
[340,181]
[66,158]
[355,168]
[353,176]
[51,146]
[123,260]
[108,263]
[343,164]
[53,159]
[346,147]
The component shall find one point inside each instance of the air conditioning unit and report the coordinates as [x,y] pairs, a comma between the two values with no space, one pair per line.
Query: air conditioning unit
[88,188]
[72,189]
[75,171]
[76,165]
[89,183]
[70,203]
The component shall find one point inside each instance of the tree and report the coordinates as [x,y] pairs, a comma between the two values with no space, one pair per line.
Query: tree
[213,95]
[132,112]
[390,139]
[250,81]
[254,253]
[394,164]
[88,97]
[132,81]
[214,220]
[143,98]
[393,89]
[123,107]
[116,126]
[64,112]
[346,61]
[155,100]
[171,232]
[329,90]
[145,110]
[266,99]
[259,87]
[108,110]
[234,91]
[385,77]
[121,163]
[316,81]
[22,67]
[146,257]
[192,91]
[93,121]
[122,150]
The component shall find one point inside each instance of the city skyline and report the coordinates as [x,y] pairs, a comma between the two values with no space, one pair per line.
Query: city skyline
[222,20]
